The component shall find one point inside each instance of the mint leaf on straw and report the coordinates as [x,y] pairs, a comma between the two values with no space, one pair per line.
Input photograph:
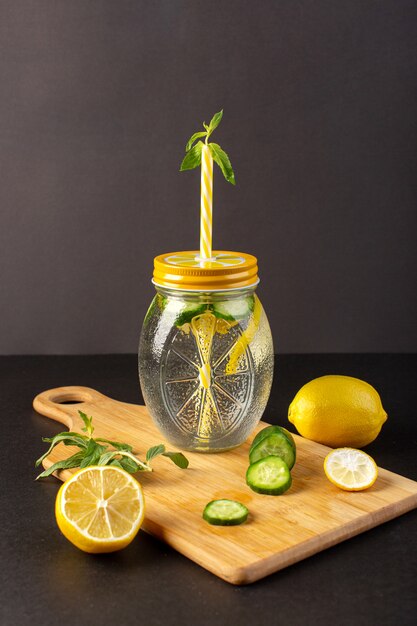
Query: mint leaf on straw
[223,161]
[215,121]
[194,138]
[192,157]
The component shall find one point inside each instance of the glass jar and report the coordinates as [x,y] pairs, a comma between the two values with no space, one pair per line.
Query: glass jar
[206,356]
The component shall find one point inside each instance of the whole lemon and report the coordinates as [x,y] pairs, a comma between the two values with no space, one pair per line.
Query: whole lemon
[338,411]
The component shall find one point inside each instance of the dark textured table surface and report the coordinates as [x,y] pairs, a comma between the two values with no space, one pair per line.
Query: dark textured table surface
[369,580]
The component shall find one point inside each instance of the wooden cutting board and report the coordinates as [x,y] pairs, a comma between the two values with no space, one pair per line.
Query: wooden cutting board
[311,516]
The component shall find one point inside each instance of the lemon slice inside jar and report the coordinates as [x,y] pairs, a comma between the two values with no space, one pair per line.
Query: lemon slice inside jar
[212,400]
[245,339]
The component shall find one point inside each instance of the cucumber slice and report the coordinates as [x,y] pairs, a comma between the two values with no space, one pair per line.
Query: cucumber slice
[274,444]
[189,311]
[268,431]
[269,476]
[290,437]
[231,310]
[184,311]
[225,513]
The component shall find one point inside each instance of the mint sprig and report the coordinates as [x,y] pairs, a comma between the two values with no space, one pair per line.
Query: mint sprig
[97,451]
[88,426]
[192,157]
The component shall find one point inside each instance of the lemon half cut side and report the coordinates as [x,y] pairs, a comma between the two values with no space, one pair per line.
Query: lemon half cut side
[350,469]
[100,509]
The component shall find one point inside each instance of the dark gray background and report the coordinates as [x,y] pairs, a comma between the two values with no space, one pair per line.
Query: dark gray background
[97,102]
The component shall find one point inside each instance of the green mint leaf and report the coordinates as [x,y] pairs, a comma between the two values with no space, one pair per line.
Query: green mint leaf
[207,127]
[178,458]
[67,434]
[154,451]
[135,464]
[128,464]
[116,463]
[215,121]
[70,463]
[194,138]
[68,438]
[193,158]
[115,444]
[223,162]
[88,426]
[107,457]
[92,453]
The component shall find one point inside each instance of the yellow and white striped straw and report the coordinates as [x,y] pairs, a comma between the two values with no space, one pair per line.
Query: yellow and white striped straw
[206,205]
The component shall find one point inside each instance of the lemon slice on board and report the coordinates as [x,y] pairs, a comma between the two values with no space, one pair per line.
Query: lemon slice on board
[350,469]
[100,509]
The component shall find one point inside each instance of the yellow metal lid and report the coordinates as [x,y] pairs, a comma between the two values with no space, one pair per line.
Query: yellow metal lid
[186,271]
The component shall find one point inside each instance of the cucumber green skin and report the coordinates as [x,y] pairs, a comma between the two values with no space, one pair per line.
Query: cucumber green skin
[286,452]
[219,312]
[268,430]
[264,490]
[217,521]
[159,303]
[289,436]
[187,315]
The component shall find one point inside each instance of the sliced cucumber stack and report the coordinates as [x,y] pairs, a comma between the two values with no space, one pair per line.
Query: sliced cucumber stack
[272,429]
[231,310]
[183,312]
[269,476]
[274,444]
[271,457]
[225,513]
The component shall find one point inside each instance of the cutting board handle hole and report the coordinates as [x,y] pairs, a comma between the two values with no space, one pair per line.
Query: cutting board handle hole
[78,396]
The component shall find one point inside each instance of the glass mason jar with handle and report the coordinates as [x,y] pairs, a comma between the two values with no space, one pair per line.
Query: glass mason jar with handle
[205,352]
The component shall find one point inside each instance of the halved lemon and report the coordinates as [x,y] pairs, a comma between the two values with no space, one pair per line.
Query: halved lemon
[350,469]
[100,509]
